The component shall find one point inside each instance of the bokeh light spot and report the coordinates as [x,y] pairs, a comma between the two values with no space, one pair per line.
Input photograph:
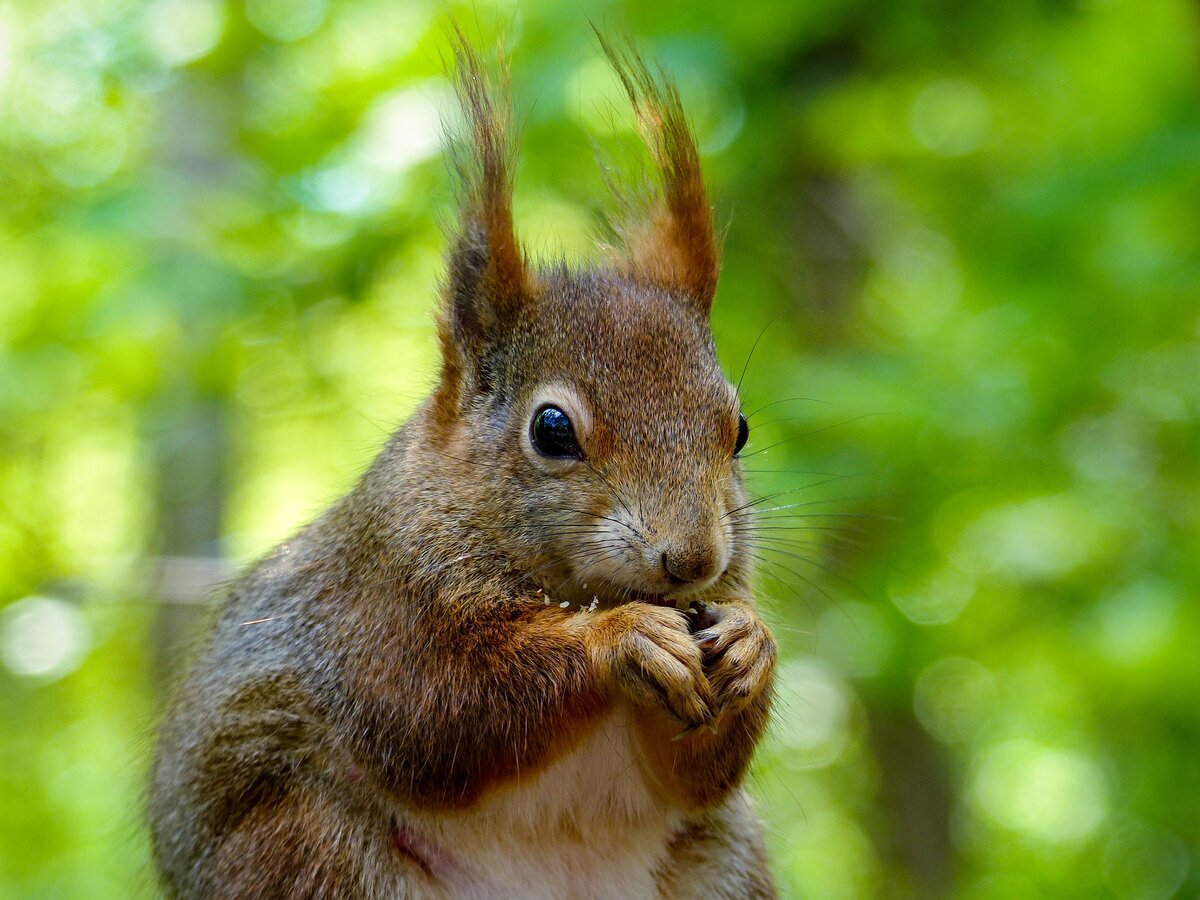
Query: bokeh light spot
[916,285]
[1036,538]
[811,724]
[6,46]
[1045,793]
[856,638]
[403,128]
[183,31]
[286,20]
[1136,621]
[951,117]
[56,104]
[954,697]
[94,156]
[831,856]
[936,600]
[42,637]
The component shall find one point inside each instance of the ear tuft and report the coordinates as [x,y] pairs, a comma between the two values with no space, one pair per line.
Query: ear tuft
[484,167]
[487,279]
[675,245]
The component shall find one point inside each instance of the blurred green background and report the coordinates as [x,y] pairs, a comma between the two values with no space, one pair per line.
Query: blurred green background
[968,235]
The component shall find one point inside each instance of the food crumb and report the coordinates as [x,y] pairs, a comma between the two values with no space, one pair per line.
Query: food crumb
[565,604]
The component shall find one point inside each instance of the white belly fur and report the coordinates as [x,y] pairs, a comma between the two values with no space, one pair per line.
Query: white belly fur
[587,826]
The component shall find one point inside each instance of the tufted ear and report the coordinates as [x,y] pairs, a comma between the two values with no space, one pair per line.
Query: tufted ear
[673,244]
[487,280]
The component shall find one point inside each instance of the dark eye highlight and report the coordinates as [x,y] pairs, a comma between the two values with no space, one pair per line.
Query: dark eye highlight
[552,434]
[743,434]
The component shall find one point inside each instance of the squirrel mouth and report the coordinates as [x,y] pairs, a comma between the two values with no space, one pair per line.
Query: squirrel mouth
[609,599]
[652,599]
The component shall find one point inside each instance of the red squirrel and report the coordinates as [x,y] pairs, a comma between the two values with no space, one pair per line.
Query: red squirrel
[521,658]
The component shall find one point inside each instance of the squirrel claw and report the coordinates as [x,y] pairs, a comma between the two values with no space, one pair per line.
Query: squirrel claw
[707,640]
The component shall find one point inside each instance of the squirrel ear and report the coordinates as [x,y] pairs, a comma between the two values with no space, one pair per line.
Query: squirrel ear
[674,244]
[487,280]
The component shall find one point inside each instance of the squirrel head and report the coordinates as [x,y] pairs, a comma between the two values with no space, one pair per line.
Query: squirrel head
[587,409]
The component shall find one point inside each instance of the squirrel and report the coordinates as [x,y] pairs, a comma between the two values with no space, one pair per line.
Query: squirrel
[522,657]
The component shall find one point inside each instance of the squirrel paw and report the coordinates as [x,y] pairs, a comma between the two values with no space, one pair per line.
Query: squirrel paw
[739,656]
[655,661]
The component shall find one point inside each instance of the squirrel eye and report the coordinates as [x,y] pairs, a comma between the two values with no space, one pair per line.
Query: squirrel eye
[743,434]
[552,435]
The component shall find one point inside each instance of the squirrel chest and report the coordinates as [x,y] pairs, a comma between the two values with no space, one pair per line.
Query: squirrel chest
[588,825]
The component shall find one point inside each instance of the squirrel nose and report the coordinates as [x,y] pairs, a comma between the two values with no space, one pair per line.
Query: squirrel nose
[687,564]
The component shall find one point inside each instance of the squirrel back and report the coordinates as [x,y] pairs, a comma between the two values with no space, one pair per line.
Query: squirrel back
[522,654]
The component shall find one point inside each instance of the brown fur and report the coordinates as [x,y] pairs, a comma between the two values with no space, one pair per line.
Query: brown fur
[400,652]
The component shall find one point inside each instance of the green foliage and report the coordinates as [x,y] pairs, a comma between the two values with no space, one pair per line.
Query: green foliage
[967,234]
